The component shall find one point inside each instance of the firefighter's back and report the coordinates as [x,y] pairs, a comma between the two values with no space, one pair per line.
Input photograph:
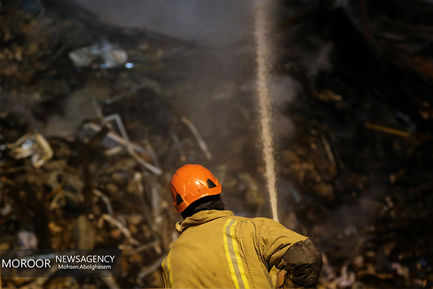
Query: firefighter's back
[216,250]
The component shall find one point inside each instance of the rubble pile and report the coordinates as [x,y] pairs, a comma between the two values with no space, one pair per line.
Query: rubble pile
[89,193]
[99,177]
[360,159]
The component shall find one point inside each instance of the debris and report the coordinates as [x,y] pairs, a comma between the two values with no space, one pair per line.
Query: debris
[110,281]
[129,65]
[27,240]
[85,233]
[200,141]
[111,55]
[143,248]
[401,270]
[179,147]
[156,204]
[329,151]
[387,130]
[34,146]
[150,269]
[122,228]
[113,137]
[116,118]
[105,199]
[346,279]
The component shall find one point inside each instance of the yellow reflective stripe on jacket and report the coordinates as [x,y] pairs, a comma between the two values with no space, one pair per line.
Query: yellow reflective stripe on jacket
[228,256]
[238,257]
[233,257]
[166,264]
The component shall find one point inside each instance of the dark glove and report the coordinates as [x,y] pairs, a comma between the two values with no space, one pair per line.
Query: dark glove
[304,263]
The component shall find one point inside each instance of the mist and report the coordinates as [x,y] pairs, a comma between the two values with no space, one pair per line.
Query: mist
[215,23]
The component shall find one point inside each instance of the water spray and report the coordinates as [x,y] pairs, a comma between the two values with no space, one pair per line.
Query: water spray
[263,60]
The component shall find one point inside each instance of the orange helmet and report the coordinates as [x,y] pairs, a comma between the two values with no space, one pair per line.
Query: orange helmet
[190,183]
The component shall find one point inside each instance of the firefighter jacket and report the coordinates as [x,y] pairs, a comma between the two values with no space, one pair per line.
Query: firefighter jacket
[219,250]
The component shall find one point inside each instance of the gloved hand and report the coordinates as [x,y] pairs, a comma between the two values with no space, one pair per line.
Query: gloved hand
[284,280]
[281,276]
[303,264]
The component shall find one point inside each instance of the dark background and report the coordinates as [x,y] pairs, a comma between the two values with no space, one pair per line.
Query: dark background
[351,90]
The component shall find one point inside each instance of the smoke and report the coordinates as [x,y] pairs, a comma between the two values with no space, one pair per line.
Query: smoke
[219,80]
[216,23]
[212,82]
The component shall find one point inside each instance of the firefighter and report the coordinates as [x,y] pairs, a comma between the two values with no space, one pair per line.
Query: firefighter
[217,249]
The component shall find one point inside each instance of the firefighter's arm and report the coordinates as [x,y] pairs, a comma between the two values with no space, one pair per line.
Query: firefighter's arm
[303,262]
[289,251]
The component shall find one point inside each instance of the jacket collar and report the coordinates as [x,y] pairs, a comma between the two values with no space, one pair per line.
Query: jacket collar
[202,217]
